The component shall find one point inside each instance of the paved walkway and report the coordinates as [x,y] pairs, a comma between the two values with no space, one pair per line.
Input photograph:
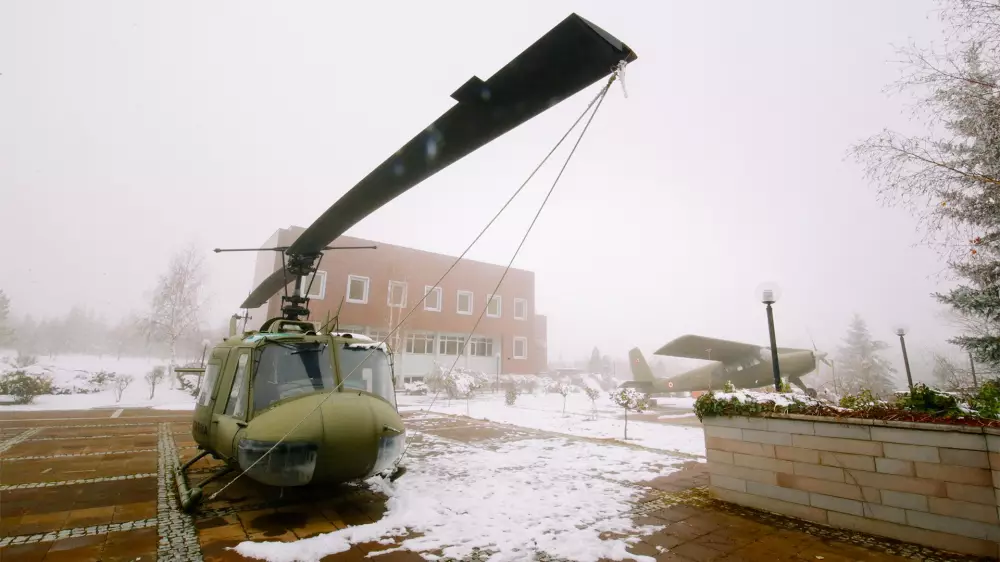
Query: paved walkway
[85,486]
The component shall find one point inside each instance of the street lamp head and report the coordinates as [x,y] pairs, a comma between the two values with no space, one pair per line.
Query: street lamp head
[900,330]
[768,293]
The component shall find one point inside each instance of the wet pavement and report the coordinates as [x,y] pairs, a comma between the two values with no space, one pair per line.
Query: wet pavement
[96,485]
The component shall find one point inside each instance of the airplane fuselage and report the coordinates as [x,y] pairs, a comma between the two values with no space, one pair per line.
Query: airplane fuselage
[754,373]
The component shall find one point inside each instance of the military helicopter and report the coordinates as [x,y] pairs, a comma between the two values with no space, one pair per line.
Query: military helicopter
[296,403]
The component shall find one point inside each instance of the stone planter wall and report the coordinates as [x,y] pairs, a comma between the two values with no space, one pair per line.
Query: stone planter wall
[921,483]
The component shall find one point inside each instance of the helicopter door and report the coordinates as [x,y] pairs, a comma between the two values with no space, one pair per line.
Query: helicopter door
[232,419]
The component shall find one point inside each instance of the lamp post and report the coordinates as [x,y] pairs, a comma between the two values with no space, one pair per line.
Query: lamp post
[972,365]
[901,332]
[498,373]
[769,296]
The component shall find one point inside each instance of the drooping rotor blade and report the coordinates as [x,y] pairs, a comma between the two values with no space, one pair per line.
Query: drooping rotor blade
[571,56]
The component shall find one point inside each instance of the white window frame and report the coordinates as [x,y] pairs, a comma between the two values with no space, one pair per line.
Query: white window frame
[474,342]
[525,303]
[411,342]
[460,341]
[320,279]
[388,297]
[428,289]
[363,279]
[524,341]
[489,303]
[458,302]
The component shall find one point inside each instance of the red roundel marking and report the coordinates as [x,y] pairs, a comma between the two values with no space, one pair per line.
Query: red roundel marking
[670,385]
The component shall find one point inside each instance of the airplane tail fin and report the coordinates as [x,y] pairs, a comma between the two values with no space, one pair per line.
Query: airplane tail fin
[640,369]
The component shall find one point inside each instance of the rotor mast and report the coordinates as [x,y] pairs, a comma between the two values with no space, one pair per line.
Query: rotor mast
[296,305]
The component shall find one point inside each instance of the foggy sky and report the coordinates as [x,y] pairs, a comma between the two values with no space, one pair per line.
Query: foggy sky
[128,129]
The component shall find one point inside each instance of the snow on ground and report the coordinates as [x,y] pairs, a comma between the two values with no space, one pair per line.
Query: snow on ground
[65,370]
[545,412]
[549,495]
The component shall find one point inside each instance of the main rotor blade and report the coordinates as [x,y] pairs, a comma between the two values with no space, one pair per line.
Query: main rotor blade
[567,59]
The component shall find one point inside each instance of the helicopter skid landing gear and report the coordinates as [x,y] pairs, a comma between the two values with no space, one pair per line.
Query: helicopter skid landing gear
[191,497]
[393,474]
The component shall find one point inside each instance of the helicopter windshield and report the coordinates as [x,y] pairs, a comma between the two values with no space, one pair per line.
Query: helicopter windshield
[289,369]
[364,367]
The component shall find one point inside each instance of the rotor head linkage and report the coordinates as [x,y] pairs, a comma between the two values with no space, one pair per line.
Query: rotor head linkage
[295,305]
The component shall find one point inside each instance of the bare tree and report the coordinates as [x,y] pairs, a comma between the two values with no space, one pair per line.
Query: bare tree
[175,311]
[119,383]
[153,378]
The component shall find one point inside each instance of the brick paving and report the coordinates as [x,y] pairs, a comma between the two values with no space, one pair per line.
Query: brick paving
[86,486]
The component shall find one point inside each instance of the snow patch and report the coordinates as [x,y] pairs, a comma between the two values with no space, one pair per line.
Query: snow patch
[66,371]
[546,495]
[544,412]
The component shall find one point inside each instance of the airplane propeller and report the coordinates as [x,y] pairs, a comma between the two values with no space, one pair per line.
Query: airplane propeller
[817,354]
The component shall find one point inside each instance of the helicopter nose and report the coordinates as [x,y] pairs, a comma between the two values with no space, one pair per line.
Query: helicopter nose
[280,447]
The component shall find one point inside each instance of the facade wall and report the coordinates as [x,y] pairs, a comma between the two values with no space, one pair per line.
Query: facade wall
[360,279]
[919,483]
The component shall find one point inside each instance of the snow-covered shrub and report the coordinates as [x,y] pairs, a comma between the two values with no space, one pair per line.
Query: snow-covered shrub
[417,388]
[25,387]
[510,395]
[630,399]
[100,380]
[528,385]
[546,384]
[923,404]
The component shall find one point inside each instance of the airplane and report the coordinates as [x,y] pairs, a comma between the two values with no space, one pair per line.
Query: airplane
[744,365]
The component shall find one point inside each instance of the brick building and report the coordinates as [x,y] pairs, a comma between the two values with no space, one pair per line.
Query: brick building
[379,287]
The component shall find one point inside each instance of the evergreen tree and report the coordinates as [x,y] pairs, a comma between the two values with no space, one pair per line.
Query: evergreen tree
[6,331]
[859,365]
[596,365]
[951,174]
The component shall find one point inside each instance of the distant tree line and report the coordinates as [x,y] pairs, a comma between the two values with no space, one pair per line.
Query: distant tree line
[172,326]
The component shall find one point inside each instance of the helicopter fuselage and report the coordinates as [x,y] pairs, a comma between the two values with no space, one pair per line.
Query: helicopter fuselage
[319,408]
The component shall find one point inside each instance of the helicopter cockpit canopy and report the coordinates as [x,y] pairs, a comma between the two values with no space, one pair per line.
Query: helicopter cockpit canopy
[289,369]
[371,371]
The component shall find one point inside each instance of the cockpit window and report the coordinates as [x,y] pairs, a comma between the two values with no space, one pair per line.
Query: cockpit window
[288,369]
[370,367]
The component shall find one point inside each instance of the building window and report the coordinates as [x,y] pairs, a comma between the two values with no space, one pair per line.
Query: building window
[493,308]
[317,288]
[481,346]
[450,345]
[421,344]
[521,309]
[397,294]
[520,348]
[433,300]
[357,289]
[464,302]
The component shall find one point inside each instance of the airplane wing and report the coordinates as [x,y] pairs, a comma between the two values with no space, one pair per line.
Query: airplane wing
[791,349]
[691,346]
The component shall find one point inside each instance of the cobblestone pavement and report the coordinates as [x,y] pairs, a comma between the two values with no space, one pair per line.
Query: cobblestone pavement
[84,486]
